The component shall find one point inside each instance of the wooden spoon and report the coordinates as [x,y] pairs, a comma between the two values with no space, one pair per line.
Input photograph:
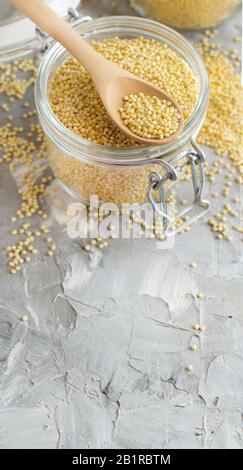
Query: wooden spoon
[112,82]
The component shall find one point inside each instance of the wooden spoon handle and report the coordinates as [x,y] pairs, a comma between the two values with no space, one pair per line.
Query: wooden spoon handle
[58,29]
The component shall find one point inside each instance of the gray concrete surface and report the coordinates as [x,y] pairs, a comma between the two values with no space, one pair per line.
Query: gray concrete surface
[101,361]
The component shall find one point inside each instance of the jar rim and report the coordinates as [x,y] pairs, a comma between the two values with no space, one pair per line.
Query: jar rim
[85,149]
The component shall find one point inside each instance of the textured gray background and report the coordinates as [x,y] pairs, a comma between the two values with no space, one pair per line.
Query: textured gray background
[101,361]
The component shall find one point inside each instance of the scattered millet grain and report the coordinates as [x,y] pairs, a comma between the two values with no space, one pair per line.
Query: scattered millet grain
[200,295]
[188,14]
[222,129]
[193,347]
[24,318]
[202,328]
[87,247]
[13,86]
[189,368]
[149,116]
[199,327]
[20,154]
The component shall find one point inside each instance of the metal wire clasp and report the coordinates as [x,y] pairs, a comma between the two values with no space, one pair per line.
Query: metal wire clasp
[193,158]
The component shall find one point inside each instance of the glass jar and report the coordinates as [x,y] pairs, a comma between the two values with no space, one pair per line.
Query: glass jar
[187,14]
[19,37]
[130,175]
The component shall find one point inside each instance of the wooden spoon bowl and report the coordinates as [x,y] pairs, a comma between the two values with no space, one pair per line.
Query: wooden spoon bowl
[113,100]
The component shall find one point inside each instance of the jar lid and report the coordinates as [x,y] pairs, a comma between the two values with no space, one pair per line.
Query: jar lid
[18,34]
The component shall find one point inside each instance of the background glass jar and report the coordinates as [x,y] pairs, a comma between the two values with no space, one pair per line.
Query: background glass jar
[187,14]
[19,37]
[118,176]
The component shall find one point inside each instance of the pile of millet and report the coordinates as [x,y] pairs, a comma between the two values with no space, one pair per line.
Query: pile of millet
[223,131]
[149,116]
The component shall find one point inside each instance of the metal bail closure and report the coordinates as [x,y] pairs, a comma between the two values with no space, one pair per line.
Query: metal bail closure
[157,183]
[44,40]
[199,206]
